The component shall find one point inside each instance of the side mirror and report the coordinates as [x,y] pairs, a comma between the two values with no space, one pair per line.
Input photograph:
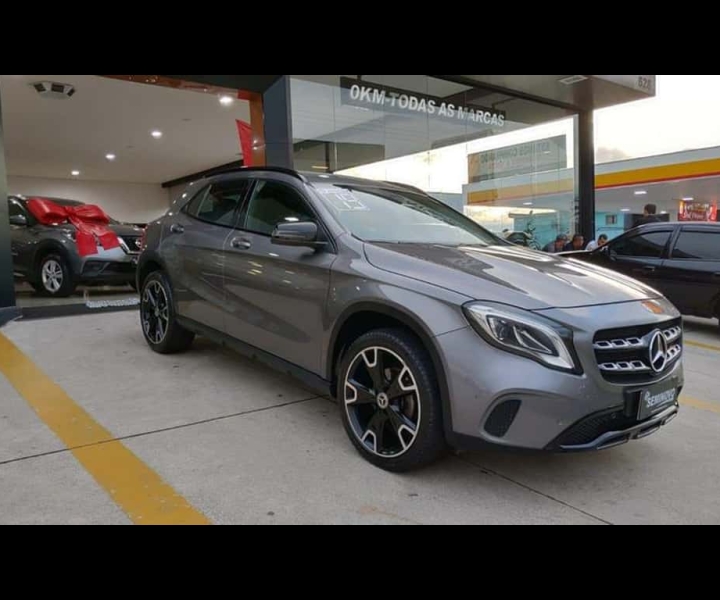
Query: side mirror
[297,234]
[19,220]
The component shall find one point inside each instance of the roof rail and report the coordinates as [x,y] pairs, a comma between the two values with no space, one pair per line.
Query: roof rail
[283,170]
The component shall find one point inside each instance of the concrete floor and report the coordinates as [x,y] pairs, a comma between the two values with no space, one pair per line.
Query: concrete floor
[244,445]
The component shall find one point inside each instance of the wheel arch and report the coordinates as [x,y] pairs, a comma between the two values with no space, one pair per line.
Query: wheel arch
[51,247]
[366,316]
[149,264]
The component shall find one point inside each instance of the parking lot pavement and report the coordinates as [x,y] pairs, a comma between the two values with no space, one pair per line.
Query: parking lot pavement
[240,444]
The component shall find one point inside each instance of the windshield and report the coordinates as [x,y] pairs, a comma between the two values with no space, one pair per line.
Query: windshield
[380,214]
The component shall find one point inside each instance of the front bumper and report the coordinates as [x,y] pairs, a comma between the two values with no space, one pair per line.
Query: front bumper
[502,399]
[110,267]
[610,429]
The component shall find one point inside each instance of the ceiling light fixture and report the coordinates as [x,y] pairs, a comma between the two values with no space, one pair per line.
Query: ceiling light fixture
[689,199]
[75,173]
[110,157]
[226,100]
[527,203]
[641,192]
[157,134]
[626,210]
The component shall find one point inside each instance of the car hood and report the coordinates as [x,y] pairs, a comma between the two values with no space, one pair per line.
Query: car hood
[126,230]
[509,274]
[119,229]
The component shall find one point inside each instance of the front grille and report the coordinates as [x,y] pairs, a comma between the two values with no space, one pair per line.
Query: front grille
[587,431]
[635,354]
[131,244]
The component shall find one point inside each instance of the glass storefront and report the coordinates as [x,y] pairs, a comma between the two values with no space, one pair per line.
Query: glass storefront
[507,162]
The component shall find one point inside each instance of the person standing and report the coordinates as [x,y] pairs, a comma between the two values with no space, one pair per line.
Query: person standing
[649,215]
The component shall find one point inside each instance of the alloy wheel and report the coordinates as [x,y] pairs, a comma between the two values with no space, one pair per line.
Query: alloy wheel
[155,310]
[382,402]
[52,276]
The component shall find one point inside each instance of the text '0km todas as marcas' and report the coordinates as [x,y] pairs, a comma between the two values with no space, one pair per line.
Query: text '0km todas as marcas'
[378,97]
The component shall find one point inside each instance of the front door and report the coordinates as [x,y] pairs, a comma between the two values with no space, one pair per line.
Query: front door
[193,247]
[22,241]
[640,255]
[277,294]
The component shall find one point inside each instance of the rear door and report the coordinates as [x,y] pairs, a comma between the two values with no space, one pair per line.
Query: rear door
[193,245]
[692,272]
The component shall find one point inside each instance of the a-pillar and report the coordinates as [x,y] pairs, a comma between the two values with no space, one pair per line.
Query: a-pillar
[7,286]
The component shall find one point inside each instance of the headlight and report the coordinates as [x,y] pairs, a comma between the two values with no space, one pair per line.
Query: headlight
[524,333]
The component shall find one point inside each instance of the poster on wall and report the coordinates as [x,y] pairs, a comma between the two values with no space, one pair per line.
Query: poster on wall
[693,210]
[521,159]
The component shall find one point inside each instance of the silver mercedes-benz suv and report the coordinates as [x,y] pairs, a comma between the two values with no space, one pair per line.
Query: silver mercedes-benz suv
[429,331]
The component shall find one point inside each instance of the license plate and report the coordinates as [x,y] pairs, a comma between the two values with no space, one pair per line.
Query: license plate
[656,399]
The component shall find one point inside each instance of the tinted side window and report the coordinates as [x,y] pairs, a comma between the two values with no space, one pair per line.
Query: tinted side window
[648,245]
[15,209]
[191,208]
[219,204]
[273,203]
[698,245]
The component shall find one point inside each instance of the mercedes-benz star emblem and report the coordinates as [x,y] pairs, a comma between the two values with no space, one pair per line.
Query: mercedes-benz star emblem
[658,352]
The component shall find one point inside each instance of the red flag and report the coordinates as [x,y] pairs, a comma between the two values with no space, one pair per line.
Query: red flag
[246,142]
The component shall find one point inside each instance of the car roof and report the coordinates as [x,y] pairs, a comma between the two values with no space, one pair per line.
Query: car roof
[675,224]
[61,201]
[313,178]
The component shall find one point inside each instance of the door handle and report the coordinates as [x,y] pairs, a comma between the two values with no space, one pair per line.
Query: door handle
[240,244]
[649,269]
[177,228]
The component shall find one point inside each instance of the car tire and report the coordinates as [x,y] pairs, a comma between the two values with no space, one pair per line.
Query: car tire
[53,277]
[400,428]
[158,320]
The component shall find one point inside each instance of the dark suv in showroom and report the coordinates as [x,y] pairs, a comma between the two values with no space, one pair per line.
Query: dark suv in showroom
[429,330]
[681,260]
[47,257]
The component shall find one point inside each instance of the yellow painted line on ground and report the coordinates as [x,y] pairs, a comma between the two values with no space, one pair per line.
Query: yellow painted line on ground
[700,404]
[703,346]
[138,490]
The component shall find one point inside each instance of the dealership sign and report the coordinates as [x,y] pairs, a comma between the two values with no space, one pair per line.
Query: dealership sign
[381,97]
[549,154]
[691,210]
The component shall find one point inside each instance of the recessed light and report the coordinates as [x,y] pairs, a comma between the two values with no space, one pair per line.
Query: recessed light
[75,173]
[528,203]
[626,210]
[110,157]
[157,134]
[226,100]
[689,199]
[640,192]
[663,212]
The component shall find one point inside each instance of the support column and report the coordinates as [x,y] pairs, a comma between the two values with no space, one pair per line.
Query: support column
[278,124]
[7,286]
[585,173]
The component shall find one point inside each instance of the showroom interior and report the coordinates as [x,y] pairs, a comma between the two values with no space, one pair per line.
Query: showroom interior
[515,153]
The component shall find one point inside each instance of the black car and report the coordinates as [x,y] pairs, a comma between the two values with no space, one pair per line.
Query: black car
[681,260]
[47,257]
